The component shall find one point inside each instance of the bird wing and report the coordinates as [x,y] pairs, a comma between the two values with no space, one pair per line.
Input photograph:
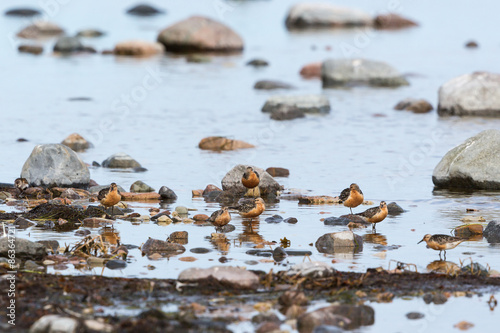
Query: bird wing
[369,212]
[257,174]
[214,215]
[345,194]
[102,193]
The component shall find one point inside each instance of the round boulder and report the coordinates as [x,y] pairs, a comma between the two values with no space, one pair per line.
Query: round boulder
[355,72]
[345,241]
[120,161]
[232,181]
[53,165]
[475,94]
[200,34]
[473,164]
[316,15]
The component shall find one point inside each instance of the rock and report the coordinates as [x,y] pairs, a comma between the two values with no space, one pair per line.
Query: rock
[305,103]
[469,230]
[90,33]
[287,112]
[352,317]
[167,194]
[318,200]
[355,72]
[473,94]
[332,220]
[258,63]
[475,269]
[327,329]
[262,317]
[279,254]
[312,70]
[162,247]
[116,264]
[394,209]
[473,164]
[414,105]
[436,298]
[200,217]
[22,12]
[120,161]
[230,277]
[472,44]
[144,10]
[317,15]
[270,85]
[314,269]
[232,181]
[138,48]
[23,223]
[182,210]
[209,189]
[274,219]
[345,241]
[414,315]
[218,143]
[55,324]
[30,265]
[200,34]
[278,172]
[200,250]
[290,220]
[33,49]
[492,232]
[293,297]
[141,187]
[50,245]
[179,237]
[25,249]
[66,45]
[40,29]
[77,142]
[198,59]
[52,165]
[393,21]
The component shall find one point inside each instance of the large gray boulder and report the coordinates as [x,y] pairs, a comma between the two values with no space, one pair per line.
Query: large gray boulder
[235,277]
[473,164]
[345,241]
[316,15]
[476,94]
[232,180]
[200,34]
[355,72]
[24,248]
[304,103]
[55,165]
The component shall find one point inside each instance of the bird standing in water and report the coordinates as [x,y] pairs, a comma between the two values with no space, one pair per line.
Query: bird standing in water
[441,242]
[251,180]
[21,184]
[109,196]
[375,214]
[251,208]
[220,218]
[352,197]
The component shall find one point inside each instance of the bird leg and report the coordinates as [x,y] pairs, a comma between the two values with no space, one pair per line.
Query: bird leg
[351,210]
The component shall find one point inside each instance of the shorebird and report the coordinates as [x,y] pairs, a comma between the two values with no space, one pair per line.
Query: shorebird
[251,180]
[220,218]
[375,214]
[21,184]
[441,243]
[251,208]
[352,197]
[109,196]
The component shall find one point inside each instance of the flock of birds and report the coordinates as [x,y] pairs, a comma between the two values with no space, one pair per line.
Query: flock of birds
[252,206]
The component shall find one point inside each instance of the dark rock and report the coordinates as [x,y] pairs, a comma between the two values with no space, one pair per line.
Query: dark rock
[271,85]
[394,209]
[40,29]
[55,165]
[120,161]
[436,298]
[162,247]
[77,142]
[354,72]
[116,264]
[25,249]
[471,164]
[23,223]
[278,172]
[22,12]
[279,254]
[230,277]
[473,94]
[327,329]
[332,220]
[414,105]
[475,269]
[472,44]
[139,169]
[33,49]
[414,315]
[179,237]
[22,140]
[287,112]
[306,103]
[393,21]
[260,253]
[492,232]
[141,187]
[200,250]
[82,232]
[232,181]
[167,194]
[30,265]
[257,63]
[144,10]
[353,316]
[90,33]
[317,15]
[274,219]
[200,34]
[50,245]
[345,241]
[290,220]
[227,228]
[67,45]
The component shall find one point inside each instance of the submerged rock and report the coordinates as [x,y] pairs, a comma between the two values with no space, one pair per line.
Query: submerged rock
[40,29]
[476,94]
[473,164]
[144,10]
[200,34]
[357,316]
[55,165]
[345,241]
[218,143]
[232,181]
[138,48]
[354,72]
[230,277]
[271,84]
[120,161]
[305,103]
[414,105]
[77,142]
[317,15]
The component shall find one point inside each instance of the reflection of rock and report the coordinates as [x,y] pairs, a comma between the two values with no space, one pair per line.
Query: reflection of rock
[441,266]
[345,241]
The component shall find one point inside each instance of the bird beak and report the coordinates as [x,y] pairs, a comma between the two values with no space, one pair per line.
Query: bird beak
[420,241]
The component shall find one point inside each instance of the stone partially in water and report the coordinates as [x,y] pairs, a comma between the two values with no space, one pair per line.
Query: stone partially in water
[120,161]
[305,103]
[138,48]
[271,84]
[40,29]
[219,143]
[231,277]
[22,12]
[77,142]
[314,269]
[33,49]
[492,232]
[258,63]
[167,194]
[414,105]
[55,165]
[345,241]
[317,15]
[67,45]
[25,249]
[312,70]
[393,21]
[232,181]
[141,187]
[414,315]
[394,209]
[287,112]
[144,10]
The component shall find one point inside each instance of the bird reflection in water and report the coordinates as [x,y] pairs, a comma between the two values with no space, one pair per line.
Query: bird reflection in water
[220,243]
[250,232]
[443,267]
[375,238]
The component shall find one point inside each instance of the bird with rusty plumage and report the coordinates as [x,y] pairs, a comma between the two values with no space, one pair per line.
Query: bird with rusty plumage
[440,242]
[352,197]
[220,218]
[109,196]
[375,215]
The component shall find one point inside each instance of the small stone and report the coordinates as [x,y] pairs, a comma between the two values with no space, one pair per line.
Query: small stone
[312,70]
[472,44]
[30,265]
[141,187]
[90,33]
[158,246]
[181,210]
[292,297]
[219,143]
[200,217]
[278,172]
[290,220]
[144,10]
[120,161]
[437,298]
[271,85]
[40,29]
[393,21]
[82,232]
[414,315]
[180,237]
[138,48]
[200,250]
[469,230]
[67,45]
[23,223]
[116,264]
[414,105]
[167,194]
[257,63]
[345,241]
[306,103]
[22,12]
[314,269]
[234,277]
[55,323]
[394,209]
[287,112]
[33,49]
[268,327]
[492,232]
[274,219]
[279,254]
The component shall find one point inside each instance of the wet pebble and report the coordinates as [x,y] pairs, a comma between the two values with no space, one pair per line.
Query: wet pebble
[22,12]
[251,262]
[414,315]
[116,264]
[144,10]
[200,217]
[67,45]
[290,220]
[200,250]
[274,219]
[179,237]
[472,44]
[271,84]
[292,297]
[90,33]
[227,228]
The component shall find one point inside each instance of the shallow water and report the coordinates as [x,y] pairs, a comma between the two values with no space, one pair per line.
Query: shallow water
[391,155]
